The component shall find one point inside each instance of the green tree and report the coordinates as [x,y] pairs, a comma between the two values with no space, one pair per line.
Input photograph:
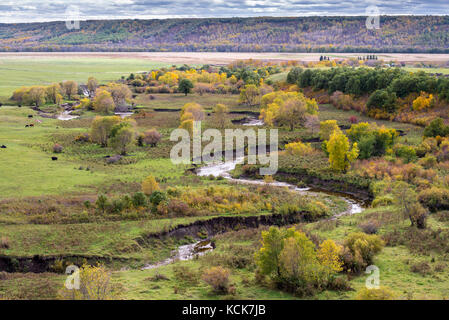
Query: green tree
[123,139]
[185,86]
[436,128]
[383,100]
[267,258]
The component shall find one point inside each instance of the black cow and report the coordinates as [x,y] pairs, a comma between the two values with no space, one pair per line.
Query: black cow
[54,158]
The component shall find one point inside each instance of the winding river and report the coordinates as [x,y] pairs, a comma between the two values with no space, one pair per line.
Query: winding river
[189,251]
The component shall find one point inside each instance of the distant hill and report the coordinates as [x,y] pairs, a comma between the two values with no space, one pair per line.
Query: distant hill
[426,34]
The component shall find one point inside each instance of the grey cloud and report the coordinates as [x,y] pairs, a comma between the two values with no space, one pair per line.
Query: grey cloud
[50,10]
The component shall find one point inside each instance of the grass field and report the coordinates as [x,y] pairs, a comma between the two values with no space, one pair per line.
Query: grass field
[428,70]
[18,71]
[51,207]
[31,172]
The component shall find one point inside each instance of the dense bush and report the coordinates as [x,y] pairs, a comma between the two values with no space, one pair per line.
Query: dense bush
[436,128]
[407,153]
[370,227]
[157,197]
[372,141]
[152,137]
[290,259]
[359,250]
[435,199]
[375,294]
[217,278]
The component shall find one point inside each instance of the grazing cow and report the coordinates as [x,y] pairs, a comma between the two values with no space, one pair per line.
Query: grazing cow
[54,158]
[26,126]
[30,116]
[3,147]
[31,125]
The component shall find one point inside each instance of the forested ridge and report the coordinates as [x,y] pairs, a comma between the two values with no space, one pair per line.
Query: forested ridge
[426,34]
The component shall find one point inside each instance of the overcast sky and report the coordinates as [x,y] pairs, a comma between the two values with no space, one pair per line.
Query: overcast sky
[51,10]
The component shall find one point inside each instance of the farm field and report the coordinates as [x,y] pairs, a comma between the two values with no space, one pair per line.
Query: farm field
[361,177]
[34,69]
[25,69]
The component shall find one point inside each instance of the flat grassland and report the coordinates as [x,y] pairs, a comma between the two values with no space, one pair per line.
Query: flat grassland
[26,69]
[38,69]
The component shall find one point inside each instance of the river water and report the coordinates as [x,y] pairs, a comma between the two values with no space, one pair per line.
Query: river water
[224,169]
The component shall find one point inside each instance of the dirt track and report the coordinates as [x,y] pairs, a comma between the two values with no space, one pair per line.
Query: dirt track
[222,57]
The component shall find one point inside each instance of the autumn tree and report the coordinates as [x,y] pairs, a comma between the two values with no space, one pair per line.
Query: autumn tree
[103,102]
[287,108]
[94,284]
[19,94]
[149,185]
[101,129]
[152,137]
[312,122]
[191,112]
[289,257]
[406,200]
[423,102]
[35,96]
[329,255]
[292,112]
[327,128]
[122,137]
[120,93]
[92,85]
[70,88]
[220,111]
[185,86]
[341,155]
[249,95]
[54,92]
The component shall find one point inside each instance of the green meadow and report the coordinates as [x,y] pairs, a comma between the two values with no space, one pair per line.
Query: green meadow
[16,72]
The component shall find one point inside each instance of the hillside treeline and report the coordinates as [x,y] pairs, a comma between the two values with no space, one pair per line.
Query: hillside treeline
[301,34]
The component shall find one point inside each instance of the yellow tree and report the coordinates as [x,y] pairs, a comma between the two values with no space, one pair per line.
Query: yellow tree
[220,111]
[101,129]
[424,101]
[35,95]
[329,255]
[327,128]
[70,88]
[54,92]
[103,102]
[189,113]
[88,283]
[119,93]
[249,95]
[92,84]
[340,153]
[149,185]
